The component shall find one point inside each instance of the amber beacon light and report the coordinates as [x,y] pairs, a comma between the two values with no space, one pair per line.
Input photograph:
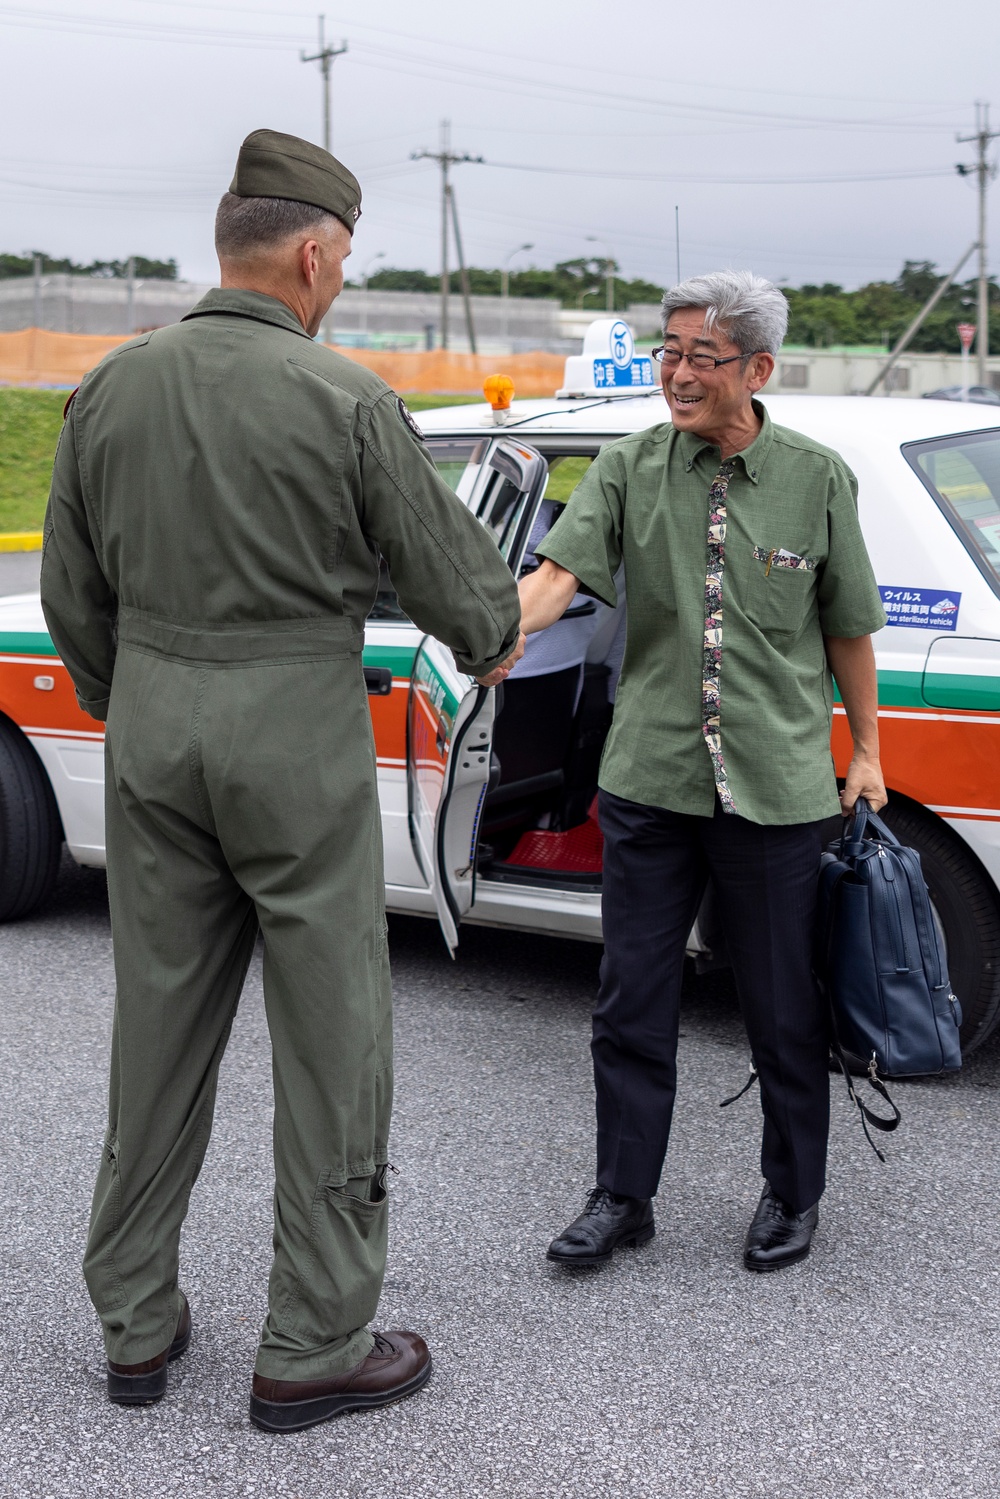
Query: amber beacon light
[499,391]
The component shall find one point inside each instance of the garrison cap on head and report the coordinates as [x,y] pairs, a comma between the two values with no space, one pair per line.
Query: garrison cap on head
[272,165]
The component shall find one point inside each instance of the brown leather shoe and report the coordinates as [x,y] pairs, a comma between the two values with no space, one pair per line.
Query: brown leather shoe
[141,1384]
[398,1365]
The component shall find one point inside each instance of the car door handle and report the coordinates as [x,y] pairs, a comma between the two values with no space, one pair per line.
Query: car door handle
[378,680]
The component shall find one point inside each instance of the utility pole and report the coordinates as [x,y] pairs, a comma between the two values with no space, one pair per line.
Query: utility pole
[984,171]
[325,57]
[130,283]
[446,158]
[462,273]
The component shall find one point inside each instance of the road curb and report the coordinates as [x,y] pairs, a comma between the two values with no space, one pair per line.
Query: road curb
[20,541]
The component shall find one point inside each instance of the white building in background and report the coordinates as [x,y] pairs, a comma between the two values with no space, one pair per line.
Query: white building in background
[849,372]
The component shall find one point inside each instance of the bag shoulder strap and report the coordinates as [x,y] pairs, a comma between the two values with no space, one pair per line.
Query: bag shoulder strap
[868,1116]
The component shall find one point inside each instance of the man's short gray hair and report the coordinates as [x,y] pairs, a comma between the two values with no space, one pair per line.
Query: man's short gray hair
[246,226]
[749,310]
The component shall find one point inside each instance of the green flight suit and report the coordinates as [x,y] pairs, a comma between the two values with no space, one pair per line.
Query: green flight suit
[222,491]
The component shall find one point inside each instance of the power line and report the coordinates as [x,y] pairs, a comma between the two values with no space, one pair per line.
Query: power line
[493,52]
[525,86]
[487,77]
[700,177]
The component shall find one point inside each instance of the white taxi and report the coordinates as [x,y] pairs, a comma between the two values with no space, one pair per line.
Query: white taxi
[487,817]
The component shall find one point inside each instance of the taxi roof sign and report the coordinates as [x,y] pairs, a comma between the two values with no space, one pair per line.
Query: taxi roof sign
[608,365]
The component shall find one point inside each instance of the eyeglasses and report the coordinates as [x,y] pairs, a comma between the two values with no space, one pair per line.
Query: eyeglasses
[670,359]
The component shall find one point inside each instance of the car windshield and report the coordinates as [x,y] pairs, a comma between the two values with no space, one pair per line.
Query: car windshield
[963,475]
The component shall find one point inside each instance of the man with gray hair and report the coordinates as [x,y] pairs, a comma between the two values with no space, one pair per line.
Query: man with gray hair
[749,589]
[222,493]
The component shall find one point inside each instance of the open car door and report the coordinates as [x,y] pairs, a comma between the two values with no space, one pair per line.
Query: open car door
[450,718]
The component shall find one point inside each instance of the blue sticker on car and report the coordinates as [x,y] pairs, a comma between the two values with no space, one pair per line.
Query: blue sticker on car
[921,608]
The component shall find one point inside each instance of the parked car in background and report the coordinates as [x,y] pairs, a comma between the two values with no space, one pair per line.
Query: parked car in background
[491,822]
[983,394]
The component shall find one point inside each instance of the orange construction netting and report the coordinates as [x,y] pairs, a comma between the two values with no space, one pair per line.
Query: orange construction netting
[34,356]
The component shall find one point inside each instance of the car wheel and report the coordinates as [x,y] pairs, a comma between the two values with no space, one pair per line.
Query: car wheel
[968,909]
[30,828]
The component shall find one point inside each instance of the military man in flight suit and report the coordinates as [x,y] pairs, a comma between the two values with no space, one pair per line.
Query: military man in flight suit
[222,492]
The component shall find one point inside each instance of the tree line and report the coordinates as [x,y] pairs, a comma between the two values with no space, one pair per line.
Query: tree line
[146,270]
[820,316]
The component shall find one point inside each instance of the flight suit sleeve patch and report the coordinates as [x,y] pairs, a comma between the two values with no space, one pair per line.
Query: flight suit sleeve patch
[403,410]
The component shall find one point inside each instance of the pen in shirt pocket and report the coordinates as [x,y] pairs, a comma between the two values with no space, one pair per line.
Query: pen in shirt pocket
[782,557]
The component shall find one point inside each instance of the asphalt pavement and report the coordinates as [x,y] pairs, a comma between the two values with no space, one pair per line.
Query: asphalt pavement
[870,1369]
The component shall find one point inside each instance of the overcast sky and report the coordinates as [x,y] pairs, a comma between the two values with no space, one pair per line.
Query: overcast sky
[808,141]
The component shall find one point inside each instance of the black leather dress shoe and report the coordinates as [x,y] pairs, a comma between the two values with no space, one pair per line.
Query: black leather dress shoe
[141,1384]
[778,1237]
[606,1222]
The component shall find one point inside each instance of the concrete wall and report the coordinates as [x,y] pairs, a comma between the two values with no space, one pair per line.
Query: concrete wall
[92,304]
[642,317]
[88,304]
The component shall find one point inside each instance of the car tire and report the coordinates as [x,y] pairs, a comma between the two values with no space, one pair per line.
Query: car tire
[30,827]
[968,908]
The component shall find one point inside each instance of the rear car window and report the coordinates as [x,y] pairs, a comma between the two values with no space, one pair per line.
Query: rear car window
[963,475]
[452,457]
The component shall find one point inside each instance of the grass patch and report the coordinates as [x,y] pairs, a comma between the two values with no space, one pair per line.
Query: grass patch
[417,402]
[564,475]
[30,422]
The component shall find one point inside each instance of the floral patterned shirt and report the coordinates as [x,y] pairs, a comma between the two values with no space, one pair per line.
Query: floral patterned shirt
[734,572]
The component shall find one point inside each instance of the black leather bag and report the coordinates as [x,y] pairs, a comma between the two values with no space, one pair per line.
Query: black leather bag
[881,961]
[882,956]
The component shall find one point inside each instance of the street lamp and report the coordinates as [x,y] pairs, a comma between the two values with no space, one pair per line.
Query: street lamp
[505,287]
[609,269]
[364,294]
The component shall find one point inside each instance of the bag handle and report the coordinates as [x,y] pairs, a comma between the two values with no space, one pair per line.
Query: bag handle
[858,823]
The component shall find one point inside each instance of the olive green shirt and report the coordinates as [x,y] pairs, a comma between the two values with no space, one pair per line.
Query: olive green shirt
[795,569]
[228,479]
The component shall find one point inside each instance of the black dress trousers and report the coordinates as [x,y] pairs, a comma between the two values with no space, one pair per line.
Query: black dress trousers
[656,864]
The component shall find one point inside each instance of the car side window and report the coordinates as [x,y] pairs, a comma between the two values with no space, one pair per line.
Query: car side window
[565,473]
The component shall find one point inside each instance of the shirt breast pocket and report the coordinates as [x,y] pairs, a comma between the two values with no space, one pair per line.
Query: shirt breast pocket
[780,590]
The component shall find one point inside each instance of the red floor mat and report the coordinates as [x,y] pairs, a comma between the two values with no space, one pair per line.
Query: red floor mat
[579,850]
